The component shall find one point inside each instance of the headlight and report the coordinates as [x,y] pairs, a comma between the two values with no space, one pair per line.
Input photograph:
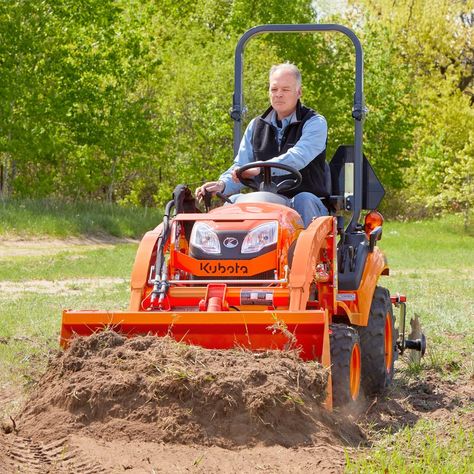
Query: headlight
[204,238]
[260,237]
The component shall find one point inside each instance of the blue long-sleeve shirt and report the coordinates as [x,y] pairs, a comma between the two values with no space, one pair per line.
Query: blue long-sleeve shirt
[311,143]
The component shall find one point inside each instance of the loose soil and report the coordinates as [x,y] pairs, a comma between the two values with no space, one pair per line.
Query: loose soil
[110,403]
[147,404]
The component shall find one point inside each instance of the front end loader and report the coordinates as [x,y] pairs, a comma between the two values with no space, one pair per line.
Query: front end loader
[248,274]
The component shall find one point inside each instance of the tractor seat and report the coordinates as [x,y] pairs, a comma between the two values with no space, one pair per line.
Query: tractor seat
[263,196]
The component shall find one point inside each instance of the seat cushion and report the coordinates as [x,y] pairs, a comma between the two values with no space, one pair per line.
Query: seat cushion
[263,196]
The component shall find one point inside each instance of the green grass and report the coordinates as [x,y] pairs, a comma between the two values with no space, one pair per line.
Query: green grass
[419,450]
[434,244]
[32,218]
[83,262]
[31,323]
[30,312]
[432,263]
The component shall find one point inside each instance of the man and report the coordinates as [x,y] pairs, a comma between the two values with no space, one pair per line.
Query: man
[288,133]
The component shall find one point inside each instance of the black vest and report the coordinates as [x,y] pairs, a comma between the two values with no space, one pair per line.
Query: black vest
[265,146]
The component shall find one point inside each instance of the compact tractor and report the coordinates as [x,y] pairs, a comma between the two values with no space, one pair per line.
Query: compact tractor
[248,274]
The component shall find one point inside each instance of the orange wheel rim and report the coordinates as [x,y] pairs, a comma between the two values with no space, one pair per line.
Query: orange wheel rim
[355,372]
[388,343]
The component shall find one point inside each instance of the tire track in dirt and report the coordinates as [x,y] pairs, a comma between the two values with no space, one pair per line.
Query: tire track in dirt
[25,455]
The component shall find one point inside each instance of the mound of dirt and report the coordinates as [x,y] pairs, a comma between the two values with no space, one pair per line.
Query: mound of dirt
[155,389]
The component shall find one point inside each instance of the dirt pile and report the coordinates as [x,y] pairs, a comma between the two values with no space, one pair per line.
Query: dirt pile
[155,389]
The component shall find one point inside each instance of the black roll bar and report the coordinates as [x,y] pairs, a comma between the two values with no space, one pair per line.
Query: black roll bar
[358,111]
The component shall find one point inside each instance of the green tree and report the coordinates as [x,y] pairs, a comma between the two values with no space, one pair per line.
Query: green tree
[121,100]
[76,102]
[433,44]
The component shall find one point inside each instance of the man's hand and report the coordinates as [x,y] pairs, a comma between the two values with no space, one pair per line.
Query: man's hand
[246,174]
[212,187]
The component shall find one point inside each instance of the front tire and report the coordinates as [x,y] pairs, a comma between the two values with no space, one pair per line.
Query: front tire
[379,344]
[345,364]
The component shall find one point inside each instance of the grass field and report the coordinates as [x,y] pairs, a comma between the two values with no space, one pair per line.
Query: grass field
[36,218]
[432,262]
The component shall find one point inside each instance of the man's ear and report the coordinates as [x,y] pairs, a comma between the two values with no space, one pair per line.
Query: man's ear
[300,92]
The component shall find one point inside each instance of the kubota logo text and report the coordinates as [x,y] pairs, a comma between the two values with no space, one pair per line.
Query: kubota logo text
[218,268]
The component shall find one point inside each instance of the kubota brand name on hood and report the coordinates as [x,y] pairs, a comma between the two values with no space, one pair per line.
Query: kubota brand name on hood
[233,269]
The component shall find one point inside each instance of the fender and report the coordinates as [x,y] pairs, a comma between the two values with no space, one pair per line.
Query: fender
[305,258]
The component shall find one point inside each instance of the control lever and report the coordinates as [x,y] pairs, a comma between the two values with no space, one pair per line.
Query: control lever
[207,199]
[375,235]
[223,197]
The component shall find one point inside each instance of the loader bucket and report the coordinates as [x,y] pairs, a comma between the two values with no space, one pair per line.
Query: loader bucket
[254,330]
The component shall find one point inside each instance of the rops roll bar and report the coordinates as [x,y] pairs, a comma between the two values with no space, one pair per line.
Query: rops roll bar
[358,110]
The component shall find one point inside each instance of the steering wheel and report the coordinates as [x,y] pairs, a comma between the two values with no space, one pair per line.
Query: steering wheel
[267,184]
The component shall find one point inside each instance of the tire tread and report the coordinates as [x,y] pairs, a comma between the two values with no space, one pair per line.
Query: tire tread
[372,338]
[343,338]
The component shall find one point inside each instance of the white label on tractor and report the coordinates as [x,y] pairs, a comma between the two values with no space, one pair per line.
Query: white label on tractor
[348,179]
[253,297]
[346,297]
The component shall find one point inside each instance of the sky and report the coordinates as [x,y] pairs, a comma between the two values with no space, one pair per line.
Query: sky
[329,7]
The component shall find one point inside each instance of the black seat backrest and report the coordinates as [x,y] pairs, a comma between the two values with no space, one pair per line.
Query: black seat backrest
[372,189]
[329,201]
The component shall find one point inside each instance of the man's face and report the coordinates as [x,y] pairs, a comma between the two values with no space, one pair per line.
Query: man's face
[284,92]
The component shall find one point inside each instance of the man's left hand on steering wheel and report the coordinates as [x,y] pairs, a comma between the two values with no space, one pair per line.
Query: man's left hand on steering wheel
[249,174]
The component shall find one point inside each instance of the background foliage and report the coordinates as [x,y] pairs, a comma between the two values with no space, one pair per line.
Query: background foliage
[120,100]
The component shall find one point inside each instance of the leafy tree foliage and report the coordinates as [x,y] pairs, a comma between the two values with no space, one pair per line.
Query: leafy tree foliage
[432,65]
[75,97]
[121,100]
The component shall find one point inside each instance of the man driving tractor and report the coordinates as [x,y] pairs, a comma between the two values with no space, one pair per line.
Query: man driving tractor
[288,133]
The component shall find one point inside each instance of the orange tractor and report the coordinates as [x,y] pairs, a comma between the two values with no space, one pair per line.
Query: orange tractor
[248,273]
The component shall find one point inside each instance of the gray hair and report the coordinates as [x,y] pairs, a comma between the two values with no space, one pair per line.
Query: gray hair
[287,67]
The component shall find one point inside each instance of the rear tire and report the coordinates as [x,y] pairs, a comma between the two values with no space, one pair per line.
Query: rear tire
[379,344]
[345,364]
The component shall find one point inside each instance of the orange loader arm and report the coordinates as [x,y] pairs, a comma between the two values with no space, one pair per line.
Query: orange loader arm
[140,271]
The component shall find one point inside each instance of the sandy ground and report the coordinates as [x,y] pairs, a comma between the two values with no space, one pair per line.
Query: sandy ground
[81,454]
